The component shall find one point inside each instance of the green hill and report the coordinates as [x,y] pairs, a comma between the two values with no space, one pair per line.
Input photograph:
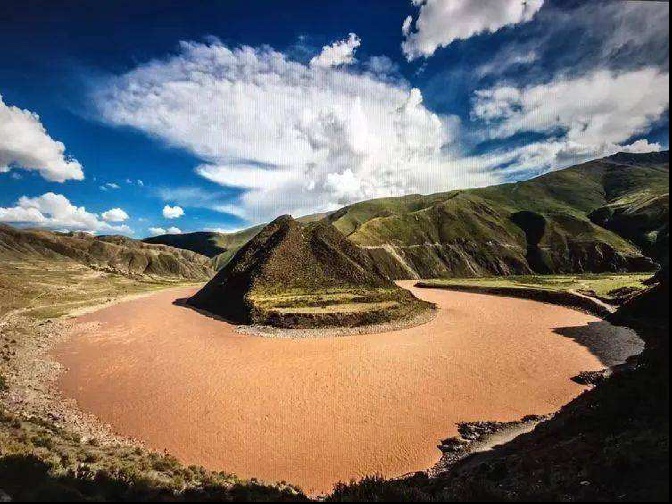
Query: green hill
[549,224]
[304,275]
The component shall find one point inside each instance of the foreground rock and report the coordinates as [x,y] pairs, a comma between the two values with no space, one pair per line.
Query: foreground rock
[298,276]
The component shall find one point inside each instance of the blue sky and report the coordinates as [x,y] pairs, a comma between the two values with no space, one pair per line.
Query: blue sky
[114,114]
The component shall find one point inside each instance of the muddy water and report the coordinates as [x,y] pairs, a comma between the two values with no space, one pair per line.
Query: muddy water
[316,411]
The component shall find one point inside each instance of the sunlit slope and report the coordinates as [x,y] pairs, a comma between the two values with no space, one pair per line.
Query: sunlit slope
[606,215]
[548,225]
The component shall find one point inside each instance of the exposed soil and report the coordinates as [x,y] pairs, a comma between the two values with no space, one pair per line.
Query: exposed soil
[314,411]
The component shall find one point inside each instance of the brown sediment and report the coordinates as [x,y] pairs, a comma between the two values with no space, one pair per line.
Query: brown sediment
[313,411]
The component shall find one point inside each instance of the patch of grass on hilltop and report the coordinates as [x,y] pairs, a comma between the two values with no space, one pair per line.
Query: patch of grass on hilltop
[608,287]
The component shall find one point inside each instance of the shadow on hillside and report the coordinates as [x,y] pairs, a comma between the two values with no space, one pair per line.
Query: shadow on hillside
[26,478]
[183,303]
[612,345]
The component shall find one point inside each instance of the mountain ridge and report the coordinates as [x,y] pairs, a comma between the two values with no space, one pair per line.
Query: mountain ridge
[605,215]
[111,253]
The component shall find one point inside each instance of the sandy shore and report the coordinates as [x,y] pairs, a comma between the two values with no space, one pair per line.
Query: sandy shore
[316,411]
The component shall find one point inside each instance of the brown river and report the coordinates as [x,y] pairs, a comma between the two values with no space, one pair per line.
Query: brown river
[316,411]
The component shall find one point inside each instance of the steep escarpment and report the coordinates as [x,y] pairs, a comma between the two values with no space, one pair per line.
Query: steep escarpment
[114,254]
[291,275]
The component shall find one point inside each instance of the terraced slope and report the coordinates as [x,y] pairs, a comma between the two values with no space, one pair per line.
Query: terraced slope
[299,276]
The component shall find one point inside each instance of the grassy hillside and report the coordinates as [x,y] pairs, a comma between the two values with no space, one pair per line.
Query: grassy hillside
[49,274]
[608,215]
[203,242]
[589,218]
[610,288]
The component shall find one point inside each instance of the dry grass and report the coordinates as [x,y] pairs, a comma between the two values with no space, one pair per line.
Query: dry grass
[607,286]
[341,308]
[50,289]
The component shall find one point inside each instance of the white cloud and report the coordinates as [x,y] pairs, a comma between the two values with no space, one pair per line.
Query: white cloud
[505,61]
[441,22]
[109,185]
[540,157]
[593,110]
[157,231]
[54,211]
[585,118]
[172,212]
[339,53]
[115,215]
[25,144]
[284,132]
[382,66]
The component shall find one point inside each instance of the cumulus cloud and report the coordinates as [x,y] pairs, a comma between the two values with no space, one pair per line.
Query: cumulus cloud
[338,54]
[115,215]
[172,212]
[595,109]
[440,22]
[25,144]
[55,211]
[587,117]
[157,231]
[286,133]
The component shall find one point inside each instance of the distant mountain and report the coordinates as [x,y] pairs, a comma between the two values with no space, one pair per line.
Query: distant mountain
[296,275]
[606,215]
[219,246]
[203,242]
[646,159]
[116,254]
